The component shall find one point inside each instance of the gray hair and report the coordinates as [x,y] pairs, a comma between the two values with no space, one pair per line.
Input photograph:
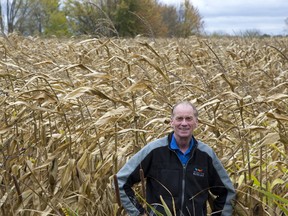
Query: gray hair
[185,103]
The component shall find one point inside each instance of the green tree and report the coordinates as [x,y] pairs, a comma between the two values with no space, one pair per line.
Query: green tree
[190,20]
[57,24]
[46,18]
[100,17]
[135,17]
[89,17]
[30,17]
[170,18]
[126,20]
[115,17]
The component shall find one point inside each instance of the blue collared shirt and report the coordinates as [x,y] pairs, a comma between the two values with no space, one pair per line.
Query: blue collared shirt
[182,156]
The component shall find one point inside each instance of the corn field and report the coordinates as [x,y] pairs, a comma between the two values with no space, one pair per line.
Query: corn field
[73,111]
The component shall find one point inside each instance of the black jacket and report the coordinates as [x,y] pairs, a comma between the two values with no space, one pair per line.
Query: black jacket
[183,188]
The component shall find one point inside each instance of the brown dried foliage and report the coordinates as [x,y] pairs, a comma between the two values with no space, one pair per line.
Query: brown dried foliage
[73,111]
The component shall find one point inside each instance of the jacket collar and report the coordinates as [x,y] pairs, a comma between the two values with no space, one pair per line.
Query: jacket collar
[170,138]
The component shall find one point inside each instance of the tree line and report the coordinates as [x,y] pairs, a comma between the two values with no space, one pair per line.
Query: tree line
[120,18]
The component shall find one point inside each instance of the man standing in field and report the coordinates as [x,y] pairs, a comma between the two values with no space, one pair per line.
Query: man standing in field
[180,169]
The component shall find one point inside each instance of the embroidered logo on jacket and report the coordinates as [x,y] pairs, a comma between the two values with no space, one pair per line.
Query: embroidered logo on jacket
[198,172]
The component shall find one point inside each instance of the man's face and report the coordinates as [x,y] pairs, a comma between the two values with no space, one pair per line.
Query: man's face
[183,121]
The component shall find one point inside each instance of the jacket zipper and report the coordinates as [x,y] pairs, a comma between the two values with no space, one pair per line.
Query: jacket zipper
[183,178]
[183,189]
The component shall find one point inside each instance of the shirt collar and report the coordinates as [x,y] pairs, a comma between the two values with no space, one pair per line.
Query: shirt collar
[174,145]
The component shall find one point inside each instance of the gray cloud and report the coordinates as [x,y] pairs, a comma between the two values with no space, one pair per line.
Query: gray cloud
[232,16]
[236,24]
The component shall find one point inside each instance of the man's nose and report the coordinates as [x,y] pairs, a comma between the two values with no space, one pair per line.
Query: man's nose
[184,122]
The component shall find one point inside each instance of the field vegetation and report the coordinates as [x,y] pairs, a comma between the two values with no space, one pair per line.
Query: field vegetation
[74,110]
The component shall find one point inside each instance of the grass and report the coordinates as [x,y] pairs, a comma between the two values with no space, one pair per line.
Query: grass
[74,110]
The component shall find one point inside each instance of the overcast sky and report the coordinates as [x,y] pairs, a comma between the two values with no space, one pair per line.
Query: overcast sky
[236,16]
